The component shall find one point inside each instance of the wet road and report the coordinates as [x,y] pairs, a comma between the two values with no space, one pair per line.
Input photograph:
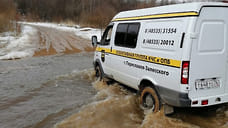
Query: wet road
[115,106]
[35,93]
[54,41]
[59,91]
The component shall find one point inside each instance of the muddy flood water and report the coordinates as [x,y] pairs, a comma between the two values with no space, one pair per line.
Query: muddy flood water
[60,92]
[114,106]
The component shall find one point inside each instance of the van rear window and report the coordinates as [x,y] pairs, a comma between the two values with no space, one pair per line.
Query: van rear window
[127,34]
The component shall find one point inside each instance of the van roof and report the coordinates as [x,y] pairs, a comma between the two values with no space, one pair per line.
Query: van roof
[186,9]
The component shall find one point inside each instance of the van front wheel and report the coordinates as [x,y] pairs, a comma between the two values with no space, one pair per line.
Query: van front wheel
[149,99]
[98,73]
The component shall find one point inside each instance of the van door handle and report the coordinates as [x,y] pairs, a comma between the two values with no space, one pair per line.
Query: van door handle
[182,40]
[193,35]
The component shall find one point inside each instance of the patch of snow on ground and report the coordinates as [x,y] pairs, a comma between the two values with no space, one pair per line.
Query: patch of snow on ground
[12,47]
[5,38]
[85,33]
[23,46]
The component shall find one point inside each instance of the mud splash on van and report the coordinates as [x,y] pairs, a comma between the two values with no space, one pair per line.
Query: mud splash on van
[113,107]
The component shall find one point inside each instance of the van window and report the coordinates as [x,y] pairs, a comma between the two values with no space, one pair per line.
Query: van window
[107,36]
[212,36]
[127,34]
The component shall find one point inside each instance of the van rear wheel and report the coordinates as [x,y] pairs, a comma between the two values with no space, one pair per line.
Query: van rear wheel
[98,73]
[149,99]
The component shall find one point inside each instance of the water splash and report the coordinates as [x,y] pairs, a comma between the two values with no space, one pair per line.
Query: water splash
[113,107]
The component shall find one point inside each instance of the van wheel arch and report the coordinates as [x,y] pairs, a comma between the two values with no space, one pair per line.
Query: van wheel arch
[147,87]
[98,63]
[146,83]
[97,66]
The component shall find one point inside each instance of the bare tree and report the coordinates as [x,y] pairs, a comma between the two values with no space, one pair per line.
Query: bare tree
[93,12]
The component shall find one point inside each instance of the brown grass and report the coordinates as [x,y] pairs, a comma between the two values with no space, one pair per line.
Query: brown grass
[7,15]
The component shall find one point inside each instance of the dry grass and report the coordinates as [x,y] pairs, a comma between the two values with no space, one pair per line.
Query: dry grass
[68,22]
[99,18]
[7,15]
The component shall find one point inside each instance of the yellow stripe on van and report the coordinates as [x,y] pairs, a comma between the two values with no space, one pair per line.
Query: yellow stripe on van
[168,15]
[152,59]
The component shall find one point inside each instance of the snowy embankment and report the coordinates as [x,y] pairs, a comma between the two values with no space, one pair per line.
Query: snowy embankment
[28,41]
[85,32]
[12,47]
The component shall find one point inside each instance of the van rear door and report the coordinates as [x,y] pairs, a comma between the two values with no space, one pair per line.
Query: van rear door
[208,62]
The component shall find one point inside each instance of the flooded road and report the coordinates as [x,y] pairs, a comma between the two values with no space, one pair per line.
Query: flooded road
[115,106]
[35,92]
[59,91]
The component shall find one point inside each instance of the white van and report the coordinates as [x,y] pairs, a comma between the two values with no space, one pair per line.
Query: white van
[176,54]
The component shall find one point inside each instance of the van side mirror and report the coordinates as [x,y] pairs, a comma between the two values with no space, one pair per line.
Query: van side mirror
[94,41]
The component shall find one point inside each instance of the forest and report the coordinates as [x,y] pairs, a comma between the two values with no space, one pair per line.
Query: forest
[95,13]
[7,14]
[86,12]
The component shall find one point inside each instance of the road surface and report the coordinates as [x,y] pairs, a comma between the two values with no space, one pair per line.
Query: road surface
[59,91]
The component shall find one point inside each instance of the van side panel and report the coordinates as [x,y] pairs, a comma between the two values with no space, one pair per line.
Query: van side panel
[208,63]
[157,57]
[162,38]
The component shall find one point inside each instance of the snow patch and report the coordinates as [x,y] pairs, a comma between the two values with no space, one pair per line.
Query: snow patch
[20,47]
[85,33]
[26,44]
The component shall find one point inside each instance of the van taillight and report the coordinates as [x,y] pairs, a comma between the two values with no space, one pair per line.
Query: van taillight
[185,72]
[204,102]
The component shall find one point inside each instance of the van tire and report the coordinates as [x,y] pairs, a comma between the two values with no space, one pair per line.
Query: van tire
[150,100]
[98,73]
